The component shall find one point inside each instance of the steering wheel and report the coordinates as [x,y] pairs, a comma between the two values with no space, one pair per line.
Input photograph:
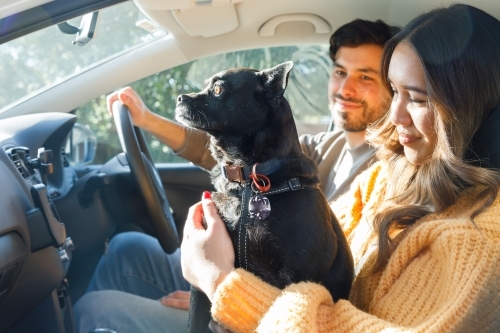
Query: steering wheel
[148,179]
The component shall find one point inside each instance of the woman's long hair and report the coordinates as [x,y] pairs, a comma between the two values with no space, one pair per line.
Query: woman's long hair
[459,48]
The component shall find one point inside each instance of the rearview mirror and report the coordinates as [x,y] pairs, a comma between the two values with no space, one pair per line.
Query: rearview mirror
[85,32]
[87,29]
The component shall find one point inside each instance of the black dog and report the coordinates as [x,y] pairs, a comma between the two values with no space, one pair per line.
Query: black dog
[281,225]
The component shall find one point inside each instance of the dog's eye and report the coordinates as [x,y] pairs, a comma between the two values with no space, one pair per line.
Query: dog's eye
[217,90]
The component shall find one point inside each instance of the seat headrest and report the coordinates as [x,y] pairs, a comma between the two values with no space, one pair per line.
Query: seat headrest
[484,149]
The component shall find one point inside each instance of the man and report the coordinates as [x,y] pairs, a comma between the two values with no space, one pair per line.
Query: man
[136,264]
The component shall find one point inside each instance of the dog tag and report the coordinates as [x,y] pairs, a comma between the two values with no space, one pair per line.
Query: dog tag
[259,207]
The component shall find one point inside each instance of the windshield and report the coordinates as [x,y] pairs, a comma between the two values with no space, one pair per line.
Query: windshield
[41,59]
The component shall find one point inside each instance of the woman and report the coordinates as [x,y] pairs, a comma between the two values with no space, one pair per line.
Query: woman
[423,223]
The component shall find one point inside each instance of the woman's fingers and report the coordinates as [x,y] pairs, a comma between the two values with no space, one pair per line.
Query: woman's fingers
[210,213]
[207,255]
[194,219]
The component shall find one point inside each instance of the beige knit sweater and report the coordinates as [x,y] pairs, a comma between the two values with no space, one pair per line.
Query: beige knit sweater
[444,276]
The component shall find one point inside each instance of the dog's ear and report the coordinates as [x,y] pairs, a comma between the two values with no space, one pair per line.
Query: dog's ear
[275,80]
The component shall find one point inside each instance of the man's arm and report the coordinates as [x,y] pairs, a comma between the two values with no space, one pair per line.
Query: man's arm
[315,146]
[171,133]
[190,144]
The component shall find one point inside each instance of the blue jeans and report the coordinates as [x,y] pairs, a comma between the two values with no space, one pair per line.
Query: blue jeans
[124,291]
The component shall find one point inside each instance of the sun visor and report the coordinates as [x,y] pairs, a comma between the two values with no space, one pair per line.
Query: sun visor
[205,18]
[182,4]
[207,21]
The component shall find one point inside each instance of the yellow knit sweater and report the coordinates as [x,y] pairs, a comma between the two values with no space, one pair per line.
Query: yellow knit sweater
[444,276]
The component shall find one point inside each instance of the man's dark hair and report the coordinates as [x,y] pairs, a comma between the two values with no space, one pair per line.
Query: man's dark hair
[359,32]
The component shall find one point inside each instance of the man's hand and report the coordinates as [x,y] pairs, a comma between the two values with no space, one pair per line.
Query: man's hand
[178,299]
[128,96]
[169,132]
[207,255]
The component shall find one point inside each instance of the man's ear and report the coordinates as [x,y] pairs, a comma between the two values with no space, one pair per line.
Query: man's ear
[275,80]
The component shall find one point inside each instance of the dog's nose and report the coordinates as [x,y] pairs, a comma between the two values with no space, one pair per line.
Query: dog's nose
[181,98]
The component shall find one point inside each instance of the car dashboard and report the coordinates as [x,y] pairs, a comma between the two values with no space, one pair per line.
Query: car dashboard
[36,250]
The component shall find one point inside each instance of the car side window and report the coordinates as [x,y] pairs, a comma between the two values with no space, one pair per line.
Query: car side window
[306,93]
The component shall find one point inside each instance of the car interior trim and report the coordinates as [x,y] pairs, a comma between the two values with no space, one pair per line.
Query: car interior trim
[54,12]
[321,26]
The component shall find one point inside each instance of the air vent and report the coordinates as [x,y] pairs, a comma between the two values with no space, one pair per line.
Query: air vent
[19,155]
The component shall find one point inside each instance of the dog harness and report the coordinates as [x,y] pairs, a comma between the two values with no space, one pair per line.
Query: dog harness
[253,191]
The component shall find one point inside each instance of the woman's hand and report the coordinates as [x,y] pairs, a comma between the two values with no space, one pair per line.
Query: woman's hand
[207,255]
[128,96]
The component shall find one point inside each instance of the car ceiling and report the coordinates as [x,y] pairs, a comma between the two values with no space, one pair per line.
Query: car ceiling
[199,31]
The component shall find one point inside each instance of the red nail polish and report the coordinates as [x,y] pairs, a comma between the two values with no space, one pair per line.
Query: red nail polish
[207,195]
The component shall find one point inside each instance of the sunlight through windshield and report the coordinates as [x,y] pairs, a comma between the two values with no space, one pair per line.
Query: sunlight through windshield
[46,57]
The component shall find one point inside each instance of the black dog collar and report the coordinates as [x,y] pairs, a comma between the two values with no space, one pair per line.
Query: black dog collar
[290,185]
[236,173]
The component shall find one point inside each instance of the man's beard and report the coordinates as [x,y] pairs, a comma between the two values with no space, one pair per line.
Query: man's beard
[357,123]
